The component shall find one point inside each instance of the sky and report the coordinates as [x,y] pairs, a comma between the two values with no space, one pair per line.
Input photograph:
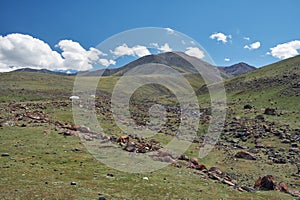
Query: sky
[62,35]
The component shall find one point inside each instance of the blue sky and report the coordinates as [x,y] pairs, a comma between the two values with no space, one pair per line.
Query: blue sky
[265,24]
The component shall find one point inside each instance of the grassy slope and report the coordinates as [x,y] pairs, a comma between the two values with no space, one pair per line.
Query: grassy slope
[51,159]
[44,166]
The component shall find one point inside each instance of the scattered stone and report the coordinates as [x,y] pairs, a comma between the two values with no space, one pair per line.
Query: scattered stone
[282,187]
[102,197]
[245,155]
[260,118]
[5,154]
[130,147]
[194,161]
[73,183]
[183,157]
[247,106]
[201,168]
[248,189]
[267,183]
[228,182]
[270,111]
[266,128]
[123,139]
[294,145]
[279,160]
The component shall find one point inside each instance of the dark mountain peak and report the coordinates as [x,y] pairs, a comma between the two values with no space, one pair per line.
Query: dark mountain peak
[176,60]
[237,69]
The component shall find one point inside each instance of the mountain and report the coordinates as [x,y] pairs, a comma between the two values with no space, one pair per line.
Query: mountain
[176,60]
[44,71]
[237,69]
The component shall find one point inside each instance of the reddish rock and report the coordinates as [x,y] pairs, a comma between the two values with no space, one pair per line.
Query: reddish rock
[282,187]
[123,139]
[201,167]
[257,183]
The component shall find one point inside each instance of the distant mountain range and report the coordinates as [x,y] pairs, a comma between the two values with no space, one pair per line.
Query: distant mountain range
[176,60]
[46,71]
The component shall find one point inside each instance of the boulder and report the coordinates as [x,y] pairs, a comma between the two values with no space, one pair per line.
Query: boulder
[247,106]
[260,118]
[123,139]
[270,111]
[4,154]
[183,157]
[245,155]
[130,147]
[282,187]
[267,183]
[194,161]
[257,183]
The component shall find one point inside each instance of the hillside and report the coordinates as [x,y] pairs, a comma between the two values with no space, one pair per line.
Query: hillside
[37,125]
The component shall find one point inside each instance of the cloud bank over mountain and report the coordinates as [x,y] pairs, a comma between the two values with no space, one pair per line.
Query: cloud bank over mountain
[20,51]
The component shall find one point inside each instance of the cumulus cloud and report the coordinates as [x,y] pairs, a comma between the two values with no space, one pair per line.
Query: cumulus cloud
[169,30]
[20,51]
[137,50]
[195,52]
[155,45]
[285,50]
[226,59]
[220,37]
[165,48]
[252,46]
[247,38]
[106,62]
[76,57]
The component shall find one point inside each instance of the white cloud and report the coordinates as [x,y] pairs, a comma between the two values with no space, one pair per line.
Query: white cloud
[20,51]
[252,46]
[141,51]
[155,45]
[226,59]
[247,38]
[285,50]
[195,52]
[76,57]
[165,48]
[106,62]
[169,30]
[25,51]
[137,50]
[220,37]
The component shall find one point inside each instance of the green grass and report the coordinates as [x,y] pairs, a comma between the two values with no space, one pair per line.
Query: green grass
[42,167]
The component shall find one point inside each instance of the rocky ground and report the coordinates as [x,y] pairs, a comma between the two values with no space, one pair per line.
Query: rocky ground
[252,137]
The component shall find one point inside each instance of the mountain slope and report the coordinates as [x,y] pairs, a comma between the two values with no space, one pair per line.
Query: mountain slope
[276,85]
[176,60]
[237,69]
